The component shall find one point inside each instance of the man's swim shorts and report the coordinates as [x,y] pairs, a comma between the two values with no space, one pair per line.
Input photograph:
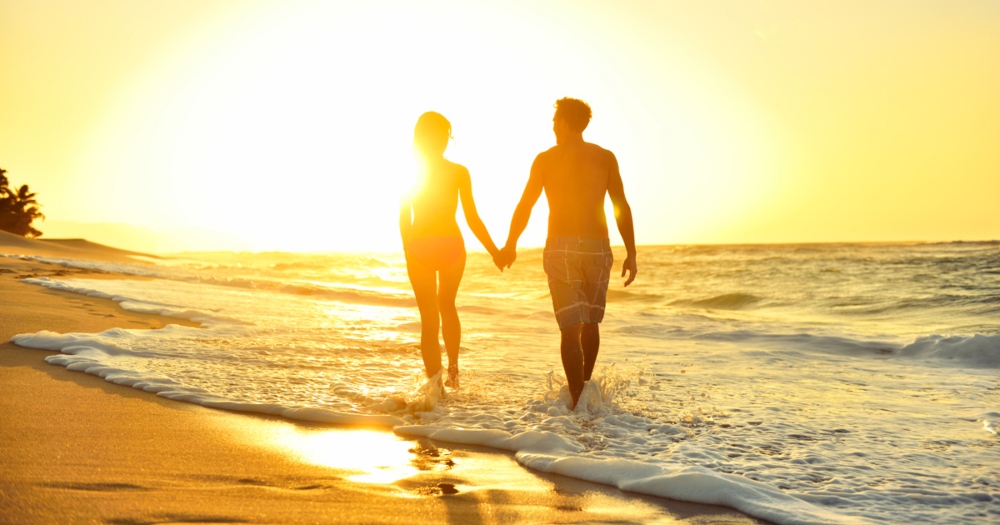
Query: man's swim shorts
[579,269]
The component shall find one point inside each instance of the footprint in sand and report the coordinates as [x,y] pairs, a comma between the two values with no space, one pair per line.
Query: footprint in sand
[96,487]
[430,457]
[441,489]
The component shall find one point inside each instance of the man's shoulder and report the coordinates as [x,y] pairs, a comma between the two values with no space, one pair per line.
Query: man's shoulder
[588,146]
[548,152]
[599,150]
[542,159]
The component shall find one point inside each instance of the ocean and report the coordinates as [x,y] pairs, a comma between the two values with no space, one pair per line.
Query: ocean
[818,383]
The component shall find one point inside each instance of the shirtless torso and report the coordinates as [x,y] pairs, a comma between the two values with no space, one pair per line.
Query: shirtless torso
[576,177]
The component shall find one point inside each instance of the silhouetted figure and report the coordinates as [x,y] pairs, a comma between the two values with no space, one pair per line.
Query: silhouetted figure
[435,251]
[576,176]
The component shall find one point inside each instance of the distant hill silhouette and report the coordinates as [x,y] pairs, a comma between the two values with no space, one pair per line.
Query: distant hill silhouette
[69,248]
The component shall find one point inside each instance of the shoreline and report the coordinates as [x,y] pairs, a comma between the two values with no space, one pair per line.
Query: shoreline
[76,448]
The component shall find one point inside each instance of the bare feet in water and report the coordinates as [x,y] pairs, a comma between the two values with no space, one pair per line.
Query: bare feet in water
[452,381]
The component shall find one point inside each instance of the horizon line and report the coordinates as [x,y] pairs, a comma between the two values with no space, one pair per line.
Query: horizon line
[655,245]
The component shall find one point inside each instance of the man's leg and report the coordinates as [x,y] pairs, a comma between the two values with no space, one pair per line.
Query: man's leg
[590,338]
[572,358]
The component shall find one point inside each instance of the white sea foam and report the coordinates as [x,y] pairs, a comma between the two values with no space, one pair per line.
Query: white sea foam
[555,453]
[90,353]
[785,418]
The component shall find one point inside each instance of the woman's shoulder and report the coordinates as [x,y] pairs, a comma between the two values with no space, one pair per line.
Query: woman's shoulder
[455,167]
[460,172]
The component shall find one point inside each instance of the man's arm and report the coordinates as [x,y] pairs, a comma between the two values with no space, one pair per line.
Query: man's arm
[623,217]
[522,213]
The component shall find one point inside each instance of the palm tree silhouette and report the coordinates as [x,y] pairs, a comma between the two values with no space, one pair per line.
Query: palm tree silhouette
[18,208]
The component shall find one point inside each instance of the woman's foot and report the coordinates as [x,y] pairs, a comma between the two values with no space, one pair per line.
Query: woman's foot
[452,381]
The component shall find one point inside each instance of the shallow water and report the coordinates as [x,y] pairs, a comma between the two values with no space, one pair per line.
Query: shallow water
[800,384]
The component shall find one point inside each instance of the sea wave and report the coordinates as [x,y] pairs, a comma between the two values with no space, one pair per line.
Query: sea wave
[341,292]
[729,301]
[633,297]
[971,351]
[138,305]
[962,350]
[976,350]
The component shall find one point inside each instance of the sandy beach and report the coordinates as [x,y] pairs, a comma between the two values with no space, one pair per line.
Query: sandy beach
[75,448]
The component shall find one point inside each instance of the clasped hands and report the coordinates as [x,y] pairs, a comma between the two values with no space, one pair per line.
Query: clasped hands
[505,257]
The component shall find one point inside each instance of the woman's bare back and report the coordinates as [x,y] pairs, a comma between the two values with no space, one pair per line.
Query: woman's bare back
[435,202]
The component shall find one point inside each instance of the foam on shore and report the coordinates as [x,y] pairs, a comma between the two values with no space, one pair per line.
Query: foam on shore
[540,450]
[89,353]
[548,452]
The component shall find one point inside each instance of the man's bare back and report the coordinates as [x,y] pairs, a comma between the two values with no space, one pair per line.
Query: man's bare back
[575,177]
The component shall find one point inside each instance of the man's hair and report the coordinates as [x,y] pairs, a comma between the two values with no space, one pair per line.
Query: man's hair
[575,112]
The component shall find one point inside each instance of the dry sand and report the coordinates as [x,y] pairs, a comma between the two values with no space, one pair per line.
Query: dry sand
[77,449]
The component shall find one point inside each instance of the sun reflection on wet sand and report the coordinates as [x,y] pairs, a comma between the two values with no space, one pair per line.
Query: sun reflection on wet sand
[377,457]
[469,483]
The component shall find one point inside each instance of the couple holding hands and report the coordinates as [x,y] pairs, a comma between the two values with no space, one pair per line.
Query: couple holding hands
[575,176]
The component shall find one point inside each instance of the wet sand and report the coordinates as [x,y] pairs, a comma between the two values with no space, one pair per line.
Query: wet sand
[75,448]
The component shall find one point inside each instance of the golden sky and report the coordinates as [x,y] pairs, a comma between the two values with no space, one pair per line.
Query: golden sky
[190,124]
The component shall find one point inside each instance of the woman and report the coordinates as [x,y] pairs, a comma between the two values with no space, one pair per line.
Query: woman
[435,251]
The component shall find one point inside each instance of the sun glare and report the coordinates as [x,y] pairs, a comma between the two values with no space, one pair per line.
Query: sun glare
[294,132]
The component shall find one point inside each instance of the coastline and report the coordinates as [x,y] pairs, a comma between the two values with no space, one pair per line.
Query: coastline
[76,448]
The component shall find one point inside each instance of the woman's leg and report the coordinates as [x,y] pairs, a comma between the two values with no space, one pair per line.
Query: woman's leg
[424,282]
[451,278]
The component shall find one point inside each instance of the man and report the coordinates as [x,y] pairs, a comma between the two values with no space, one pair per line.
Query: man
[576,175]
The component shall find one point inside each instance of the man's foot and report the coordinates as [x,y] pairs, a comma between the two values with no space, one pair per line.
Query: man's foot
[452,381]
[575,395]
